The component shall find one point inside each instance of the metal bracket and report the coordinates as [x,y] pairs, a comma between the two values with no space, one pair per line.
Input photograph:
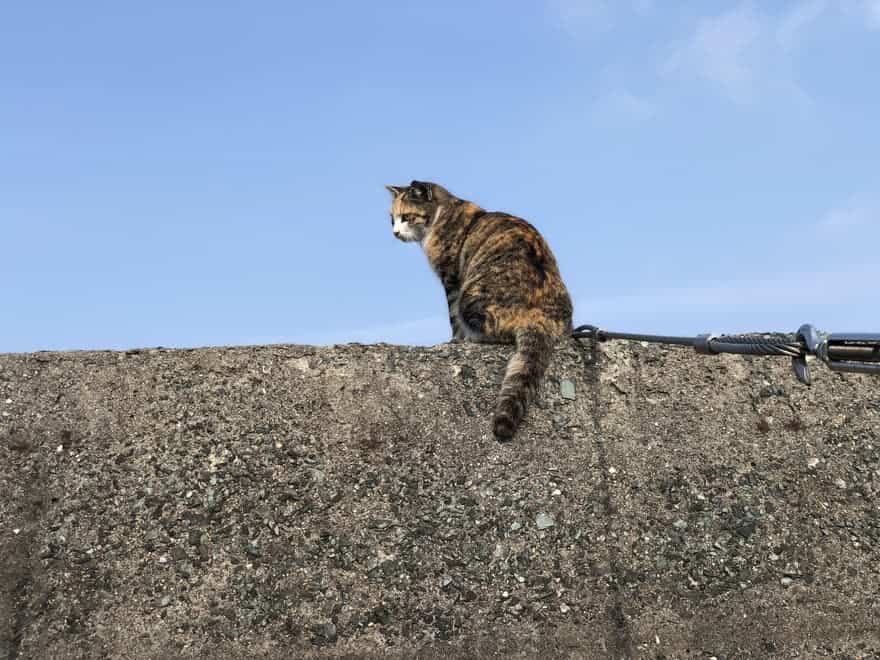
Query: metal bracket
[587,332]
[703,344]
[854,353]
[814,344]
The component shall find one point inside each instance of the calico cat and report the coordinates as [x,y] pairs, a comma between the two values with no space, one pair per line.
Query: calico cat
[502,285]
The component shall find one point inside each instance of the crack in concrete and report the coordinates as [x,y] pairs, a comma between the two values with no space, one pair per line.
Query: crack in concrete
[622,640]
[19,575]
[18,599]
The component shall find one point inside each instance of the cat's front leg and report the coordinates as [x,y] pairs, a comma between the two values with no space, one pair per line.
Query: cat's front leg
[454,322]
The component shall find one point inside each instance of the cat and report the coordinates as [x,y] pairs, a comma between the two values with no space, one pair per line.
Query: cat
[502,285]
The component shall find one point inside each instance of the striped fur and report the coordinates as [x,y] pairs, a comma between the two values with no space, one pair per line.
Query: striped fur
[502,285]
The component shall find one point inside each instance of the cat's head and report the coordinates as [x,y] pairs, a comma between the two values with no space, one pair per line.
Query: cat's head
[414,208]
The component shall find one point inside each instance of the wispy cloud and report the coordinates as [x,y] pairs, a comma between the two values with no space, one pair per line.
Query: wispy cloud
[578,16]
[791,287]
[856,214]
[872,13]
[728,51]
[621,104]
[723,50]
[643,7]
[794,25]
[748,52]
[745,54]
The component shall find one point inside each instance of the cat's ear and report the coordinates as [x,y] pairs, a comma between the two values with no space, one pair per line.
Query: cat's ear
[421,191]
[396,191]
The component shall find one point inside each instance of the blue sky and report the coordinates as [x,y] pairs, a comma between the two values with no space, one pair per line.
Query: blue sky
[195,173]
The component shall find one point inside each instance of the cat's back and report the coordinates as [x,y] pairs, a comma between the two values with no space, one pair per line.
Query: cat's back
[513,241]
[507,254]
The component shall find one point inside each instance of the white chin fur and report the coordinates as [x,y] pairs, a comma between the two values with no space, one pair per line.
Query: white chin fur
[404,232]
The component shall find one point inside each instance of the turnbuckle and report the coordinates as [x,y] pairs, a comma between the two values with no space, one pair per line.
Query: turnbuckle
[853,353]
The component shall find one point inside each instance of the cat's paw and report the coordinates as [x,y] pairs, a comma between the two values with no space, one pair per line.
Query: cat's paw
[503,429]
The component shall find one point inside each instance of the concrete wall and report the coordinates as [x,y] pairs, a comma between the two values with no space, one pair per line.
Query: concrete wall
[292,501]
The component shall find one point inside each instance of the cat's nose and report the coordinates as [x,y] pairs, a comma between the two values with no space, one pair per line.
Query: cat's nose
[396,233]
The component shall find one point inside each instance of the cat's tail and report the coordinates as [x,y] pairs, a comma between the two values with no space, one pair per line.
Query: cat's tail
[521,381]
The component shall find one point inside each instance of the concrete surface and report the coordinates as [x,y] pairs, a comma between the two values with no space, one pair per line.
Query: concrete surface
[292,501]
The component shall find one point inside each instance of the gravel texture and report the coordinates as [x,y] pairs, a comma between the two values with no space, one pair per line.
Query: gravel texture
[302,502]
